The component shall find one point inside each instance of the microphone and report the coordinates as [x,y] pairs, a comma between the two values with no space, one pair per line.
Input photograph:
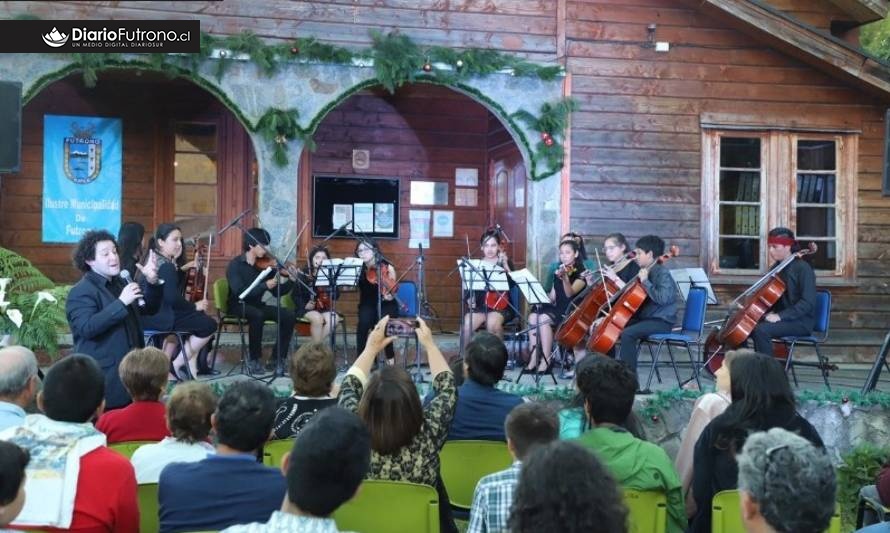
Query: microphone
[125,275]
[232,223]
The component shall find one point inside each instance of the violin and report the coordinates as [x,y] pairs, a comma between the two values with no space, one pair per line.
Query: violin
[289,270]
[321,296]
[629,300]
[390,286]
[497,300]
[196,277]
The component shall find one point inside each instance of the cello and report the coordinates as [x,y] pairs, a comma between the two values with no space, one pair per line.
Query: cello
[577,323]
[627,302]
[746,311]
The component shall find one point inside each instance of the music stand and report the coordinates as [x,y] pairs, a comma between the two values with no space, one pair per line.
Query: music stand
[337,274]
[536,296]
[686,278]
[478,275]
[871,381]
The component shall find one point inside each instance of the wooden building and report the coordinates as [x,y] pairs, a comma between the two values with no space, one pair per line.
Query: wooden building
[705,122]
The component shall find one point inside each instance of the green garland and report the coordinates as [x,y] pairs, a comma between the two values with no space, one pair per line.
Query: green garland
[277,127]
[397,60]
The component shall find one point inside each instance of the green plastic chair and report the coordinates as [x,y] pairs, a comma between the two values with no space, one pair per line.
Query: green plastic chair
[726,514]
[274,450]
[648,511]
[127,449]
[372,508]
[465,462]
[149,521]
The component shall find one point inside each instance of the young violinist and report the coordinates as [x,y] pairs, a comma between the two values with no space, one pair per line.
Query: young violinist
[490,308]
[795,312]
[368,290]
[240,273]
[659,311]
[567,282]
[589,264]
[315,307]
[175,312]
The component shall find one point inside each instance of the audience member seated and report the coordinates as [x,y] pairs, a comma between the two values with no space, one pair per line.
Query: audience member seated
[405,437]
[761,400]
[608,387]
[481,408]
[565,488]
[189,409]
[786,484]
[879,491]
[328,462]
[706,408]
[82,485]
[13,460]
[18,384]
[572,419]
[230,487]
[143,372]
[312,372]
[528,425]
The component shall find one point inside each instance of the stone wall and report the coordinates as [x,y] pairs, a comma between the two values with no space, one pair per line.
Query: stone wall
[842,427]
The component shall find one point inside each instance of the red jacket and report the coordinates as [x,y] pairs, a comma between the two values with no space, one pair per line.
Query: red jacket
[137,421]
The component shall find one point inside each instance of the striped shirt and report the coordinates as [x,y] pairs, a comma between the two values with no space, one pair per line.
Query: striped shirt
[492,501]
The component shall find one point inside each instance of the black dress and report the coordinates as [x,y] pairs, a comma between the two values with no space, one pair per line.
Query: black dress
[176,313]
[367,311]
[557,310]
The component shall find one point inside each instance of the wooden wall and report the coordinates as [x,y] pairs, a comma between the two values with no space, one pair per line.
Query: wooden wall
[636,140]
[422,132]
[147,106]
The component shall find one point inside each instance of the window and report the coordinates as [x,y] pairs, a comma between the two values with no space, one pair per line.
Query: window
[195,174]
[757,180]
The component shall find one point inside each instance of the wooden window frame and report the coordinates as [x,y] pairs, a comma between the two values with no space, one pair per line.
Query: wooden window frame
[778,193]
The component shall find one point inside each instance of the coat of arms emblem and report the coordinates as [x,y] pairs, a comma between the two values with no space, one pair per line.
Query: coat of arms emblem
[83,154]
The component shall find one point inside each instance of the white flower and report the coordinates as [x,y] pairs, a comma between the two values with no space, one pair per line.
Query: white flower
[16,316]
[3,283]
[45,295]
[42,296]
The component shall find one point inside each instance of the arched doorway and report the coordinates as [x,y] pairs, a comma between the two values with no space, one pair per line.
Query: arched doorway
[458,171]
[186,158]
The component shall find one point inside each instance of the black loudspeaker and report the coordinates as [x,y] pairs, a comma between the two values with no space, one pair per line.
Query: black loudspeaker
[10,126]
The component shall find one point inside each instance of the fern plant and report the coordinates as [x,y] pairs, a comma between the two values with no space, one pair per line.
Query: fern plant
[32,307]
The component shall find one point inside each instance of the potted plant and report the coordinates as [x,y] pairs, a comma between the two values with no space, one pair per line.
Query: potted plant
[32,307]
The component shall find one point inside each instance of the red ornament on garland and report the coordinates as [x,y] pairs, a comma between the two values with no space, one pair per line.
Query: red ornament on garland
[544,135]
[427,67]
[655,418]
[294,50]
[548,141]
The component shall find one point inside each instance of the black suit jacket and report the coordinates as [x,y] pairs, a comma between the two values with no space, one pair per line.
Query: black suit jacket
[105,329]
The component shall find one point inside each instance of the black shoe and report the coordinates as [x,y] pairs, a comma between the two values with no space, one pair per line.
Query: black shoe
[270,365]
[208,372]
[255,367]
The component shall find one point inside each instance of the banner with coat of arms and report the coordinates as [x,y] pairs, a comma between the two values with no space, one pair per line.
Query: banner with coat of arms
[82,163]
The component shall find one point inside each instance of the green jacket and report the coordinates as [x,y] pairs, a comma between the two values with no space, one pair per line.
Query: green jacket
[640,465]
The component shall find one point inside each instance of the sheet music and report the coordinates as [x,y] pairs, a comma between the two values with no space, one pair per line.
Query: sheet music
[259,279]
[346,271]
[475,274]
[530,287]
[685,278]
